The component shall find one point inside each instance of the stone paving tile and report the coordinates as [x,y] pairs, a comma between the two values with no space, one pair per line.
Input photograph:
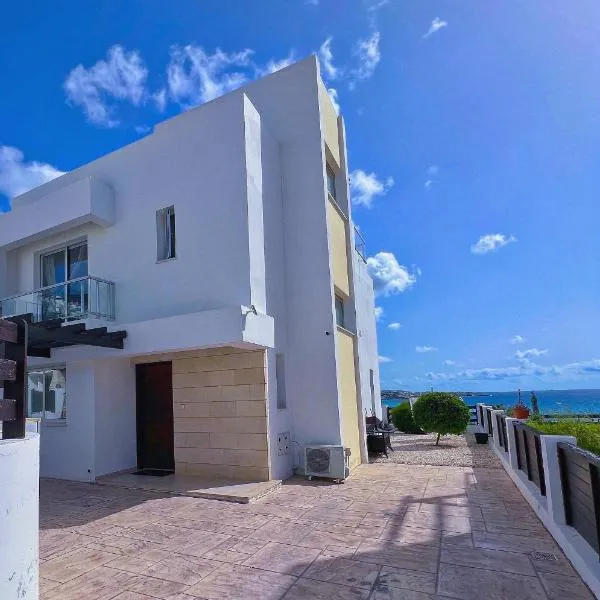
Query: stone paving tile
[391,532]
[494,560]
[334,569]
[100,584]
[308,589]
[238,582]
[282,558]
[470,583]
[559,586]
[407,580]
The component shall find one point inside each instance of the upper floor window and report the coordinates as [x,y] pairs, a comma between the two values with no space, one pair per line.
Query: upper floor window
[165,233]
[339,311]
[331,182]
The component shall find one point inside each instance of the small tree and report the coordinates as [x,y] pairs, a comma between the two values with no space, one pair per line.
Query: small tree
[441,413]
[403,419]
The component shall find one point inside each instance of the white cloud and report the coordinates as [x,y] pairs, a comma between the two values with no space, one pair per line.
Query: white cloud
[368,55]
[389,277]
[517,339]
[378,313]
[160,99]
[569,371]
[377,5]
[273,65]
[531,353]
[394,326]
[364,187]
[194,76]
[18,176]
[333,95]
[385,359]
[326,58]
[424,349]
[432,173]
[122,77]
[491,242]
[450,363]
[435,26]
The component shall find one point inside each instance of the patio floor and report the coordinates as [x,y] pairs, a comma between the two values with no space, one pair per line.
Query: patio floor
[390,532]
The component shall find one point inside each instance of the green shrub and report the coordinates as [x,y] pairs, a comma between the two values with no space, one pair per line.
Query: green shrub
[441,413]
[587,434]
[403,420]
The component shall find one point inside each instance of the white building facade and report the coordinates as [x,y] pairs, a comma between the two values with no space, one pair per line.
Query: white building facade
[223,245]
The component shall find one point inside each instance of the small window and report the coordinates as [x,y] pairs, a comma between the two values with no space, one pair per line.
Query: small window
[47,394]
[331,182]
[280,378]
[165,233]
[339,311]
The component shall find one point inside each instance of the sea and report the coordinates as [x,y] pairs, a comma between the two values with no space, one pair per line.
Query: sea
[549,401]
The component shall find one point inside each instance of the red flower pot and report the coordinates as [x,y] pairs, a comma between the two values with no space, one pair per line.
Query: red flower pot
[520,412]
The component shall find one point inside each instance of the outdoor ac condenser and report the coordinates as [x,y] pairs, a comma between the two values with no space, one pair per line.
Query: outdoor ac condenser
[326,461]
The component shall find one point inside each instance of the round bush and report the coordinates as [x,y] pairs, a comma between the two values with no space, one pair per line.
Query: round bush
[441,413]
[403,420]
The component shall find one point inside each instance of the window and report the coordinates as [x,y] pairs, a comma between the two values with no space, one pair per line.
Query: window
[165,233]
[372,385]
[280,378]
[46,394]
[63,275]
[339,311]
[331,182]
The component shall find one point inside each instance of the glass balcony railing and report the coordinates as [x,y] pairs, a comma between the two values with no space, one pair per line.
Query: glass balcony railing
[81,298]
[359,244]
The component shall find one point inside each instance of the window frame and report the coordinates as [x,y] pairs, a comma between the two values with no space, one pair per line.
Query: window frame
[339,305]
[43,419]
[330,176]
[166,234]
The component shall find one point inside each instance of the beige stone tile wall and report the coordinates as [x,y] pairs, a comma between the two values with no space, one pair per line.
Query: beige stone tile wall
[220,413]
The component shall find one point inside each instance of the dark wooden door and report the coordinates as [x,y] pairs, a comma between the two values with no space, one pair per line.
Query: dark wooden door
[154,400]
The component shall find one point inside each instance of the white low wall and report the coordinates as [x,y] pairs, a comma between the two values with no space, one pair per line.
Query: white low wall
[19,518]
[549,508]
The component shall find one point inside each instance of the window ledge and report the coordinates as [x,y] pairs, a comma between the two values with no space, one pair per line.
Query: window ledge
[164,260]
[346,331]
[338,207]
[53,423]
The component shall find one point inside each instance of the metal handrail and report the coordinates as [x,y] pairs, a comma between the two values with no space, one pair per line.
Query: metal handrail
[360,243]
[55,285]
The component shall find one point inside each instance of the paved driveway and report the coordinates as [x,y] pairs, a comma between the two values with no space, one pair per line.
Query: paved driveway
[390,532]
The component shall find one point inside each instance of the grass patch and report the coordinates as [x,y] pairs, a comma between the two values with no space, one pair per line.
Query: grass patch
[587,434]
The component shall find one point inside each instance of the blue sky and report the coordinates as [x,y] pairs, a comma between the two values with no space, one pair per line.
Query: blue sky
[473,133]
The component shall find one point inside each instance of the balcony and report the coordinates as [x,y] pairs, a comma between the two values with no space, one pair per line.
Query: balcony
[82,298]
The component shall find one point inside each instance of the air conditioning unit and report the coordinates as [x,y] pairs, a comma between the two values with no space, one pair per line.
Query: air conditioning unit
[326,461]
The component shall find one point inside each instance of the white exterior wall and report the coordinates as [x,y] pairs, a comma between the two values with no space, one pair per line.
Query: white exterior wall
[246,174]
[19,518]
[366,331]
[115,416]
[197,163]
[67,450]
[288,103]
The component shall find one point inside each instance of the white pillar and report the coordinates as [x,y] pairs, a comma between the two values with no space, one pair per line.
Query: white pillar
[554,496]
[497,432]
[19,518]
[512,447]
[480,418]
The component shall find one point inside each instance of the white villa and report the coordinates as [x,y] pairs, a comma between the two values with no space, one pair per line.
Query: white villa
[223,246]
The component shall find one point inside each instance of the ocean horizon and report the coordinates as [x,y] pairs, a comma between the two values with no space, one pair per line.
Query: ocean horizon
[549,401]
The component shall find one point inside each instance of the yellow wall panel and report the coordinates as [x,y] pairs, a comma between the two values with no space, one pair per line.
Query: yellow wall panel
[337,245]
[347,388]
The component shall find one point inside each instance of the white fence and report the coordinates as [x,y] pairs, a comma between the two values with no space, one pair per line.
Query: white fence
[537,465]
